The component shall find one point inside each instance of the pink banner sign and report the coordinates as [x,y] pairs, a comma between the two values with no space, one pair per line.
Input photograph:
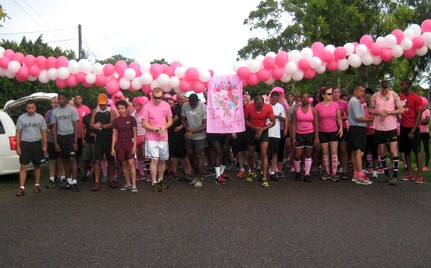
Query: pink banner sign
[225,105]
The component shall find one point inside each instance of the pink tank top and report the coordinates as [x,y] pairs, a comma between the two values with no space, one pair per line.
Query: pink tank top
[385,103]
[304,121]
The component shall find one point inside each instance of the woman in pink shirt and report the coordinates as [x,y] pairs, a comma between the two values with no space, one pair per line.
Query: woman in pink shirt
[304,133]
[330,129]
[425,135]
[343,154]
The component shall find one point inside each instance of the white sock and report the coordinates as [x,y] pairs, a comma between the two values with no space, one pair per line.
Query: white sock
[51,179]
[241,169]
[74,181]
[69,180]
[22,187]
[222,168]
[159,180]
[36,184]
[217,171]
[63,177]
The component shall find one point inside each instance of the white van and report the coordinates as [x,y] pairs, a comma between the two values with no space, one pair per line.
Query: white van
[9,160]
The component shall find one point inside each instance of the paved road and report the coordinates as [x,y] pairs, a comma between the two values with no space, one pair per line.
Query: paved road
[237,225]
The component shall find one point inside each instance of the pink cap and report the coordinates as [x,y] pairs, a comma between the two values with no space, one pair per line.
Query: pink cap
[141,100]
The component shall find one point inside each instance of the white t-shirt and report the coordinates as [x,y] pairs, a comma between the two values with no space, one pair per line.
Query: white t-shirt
[278,109]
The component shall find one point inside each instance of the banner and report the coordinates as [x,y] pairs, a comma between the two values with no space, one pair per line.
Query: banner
[225,113]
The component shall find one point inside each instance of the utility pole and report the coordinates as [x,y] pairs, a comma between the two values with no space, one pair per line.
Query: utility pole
[79,42]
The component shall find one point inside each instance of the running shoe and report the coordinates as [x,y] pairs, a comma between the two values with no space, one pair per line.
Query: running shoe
[75,187]
[250,177]
[198,184]
[384,179]
[334,178]
[368,170]
[193,181]
[156,187]
[20,192]
[364,181]
[96,187]
[393,181]
[297,176]
[240,174]
[163,184]
[380,171]
[65,185]
[355,179]
[174,176]
[325,177]
[113,184]
[279,174]
[126,187]
[37,189]
[273,177]
[225,176]
[408,177]
[307,178]
[344,176]
[134,190]
[265,183]
[51,184]
[419,180]
[425,168]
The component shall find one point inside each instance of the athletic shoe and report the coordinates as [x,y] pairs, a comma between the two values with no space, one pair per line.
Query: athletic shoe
[64,185]
[168,175]
[113,184]
[419,180]
[198,184]
[280,174]
[325,177]
[368,170]
[75,187]
[344,176]
[126,187]
[393,181]
[380,171]
[51,184]
[240,174]
[156,187]
[209,172]
[220,180]
[163,184]
[384,179]
[96,187]
[37,189]
[250,177]
[408,177]
[225,176]
[334,178]
[134,190]
[307,178]
[174,176]
[375,175]
[20,192]
[425,168]
[355,179]
[187,178]
[265,183]
[364,181]
[297,176]
[104,179]
[273,177]
[193,181]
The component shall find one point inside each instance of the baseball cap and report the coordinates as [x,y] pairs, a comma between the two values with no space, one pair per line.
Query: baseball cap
[102,99]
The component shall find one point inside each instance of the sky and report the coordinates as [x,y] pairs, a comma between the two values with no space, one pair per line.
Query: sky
[203,34]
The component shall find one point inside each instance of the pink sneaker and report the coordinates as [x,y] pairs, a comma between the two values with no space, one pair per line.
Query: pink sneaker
[408,177]
[419,180]
[425,168]
[364,181]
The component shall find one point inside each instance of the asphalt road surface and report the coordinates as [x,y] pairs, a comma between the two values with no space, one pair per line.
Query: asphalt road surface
[240,224]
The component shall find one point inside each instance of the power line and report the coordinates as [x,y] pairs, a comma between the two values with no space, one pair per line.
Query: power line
[89,48]
[41,31]
[60,41]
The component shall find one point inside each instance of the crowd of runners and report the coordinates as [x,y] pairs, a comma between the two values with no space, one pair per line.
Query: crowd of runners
[161,136]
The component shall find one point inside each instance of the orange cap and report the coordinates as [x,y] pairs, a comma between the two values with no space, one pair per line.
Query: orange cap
[102,99]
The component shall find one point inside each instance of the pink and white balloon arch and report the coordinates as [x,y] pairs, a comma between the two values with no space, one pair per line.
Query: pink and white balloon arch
[282,66]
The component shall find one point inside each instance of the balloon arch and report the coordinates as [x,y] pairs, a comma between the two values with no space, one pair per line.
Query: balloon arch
[283,66]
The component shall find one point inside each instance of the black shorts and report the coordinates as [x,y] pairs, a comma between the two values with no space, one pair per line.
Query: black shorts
[425,137]
[177,145]
[407,145]
[325,137]
[252,140]
[345,136]
[102,148]
[386,136]
[357,138]
[66,145]
[240,143]
[280,155]
[304,140]
[79,152]
[52,153]
[196,145]
[273,146]
[221,138]
[372,146]
[31,152]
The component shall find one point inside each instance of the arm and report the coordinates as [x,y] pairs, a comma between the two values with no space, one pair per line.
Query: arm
[315,125]
[286,125]
[294,126]
[18,141]
[113,116]
[185,124]
[135,138]
[270,125]
[399,106]
[93,121]
[202,127]
[83,132]
[372,107]
[54,136]
[75,139]
[114,141]
[44,140]
[340,124]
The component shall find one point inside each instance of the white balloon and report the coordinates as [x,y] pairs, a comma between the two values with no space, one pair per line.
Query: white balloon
[377,60]
[146,78]
[144,67]
[2,71]
[271,54]
[330,48]
[97,68]
[397,51]
[350,48]
[253,66]
[290,68]
[380,41]
[90,78]
[294,56]
[163,80]
[260,58]
[10,74]
[367,59]
[298,75]
[124,83]
[32,78]
[270,81]
[409,33]
[137,83]
[85,66]
[204,75]
[354,61]
[129,74]
[73,66]
[166,89]
[406,44]
[307,53]
[361,50]
[174,82]
[13,66]
[422,51]
[315,62]
[63,73]
[180,71]
[321,69]
[154,84]
[43,76]
[343,64]
[53,73]
[286,78]
[390,40]
[416,29]
[427,38]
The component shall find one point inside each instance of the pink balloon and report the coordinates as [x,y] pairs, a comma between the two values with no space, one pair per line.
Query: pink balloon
[100,80]
[281,59]
[20,78]
[62,61]
[51,62]
[8,53]
[340,53]
[263,74]
[244,82]
[268,62]
[71,81]
[426,26]
[19,57]
[332,66]
[192,74]
[108,69]
[303,64]
[366,40]
[136,68]
[185,85]
[41,62]
[156,70]
[34,70]
[80,77]
[243,72]
[309,73]
[386,54]
[169,71]
[277,73]
[252,80]
[175,64]
[164,67]
[87,85]
[23,72]
[418,42]
[120,67]
[112,86]
[317,48]
[146,89]
[399,35]
[60,83]
[4,62]
[326,56]
[29,60]
[409,54]
[375,49]
[198,86]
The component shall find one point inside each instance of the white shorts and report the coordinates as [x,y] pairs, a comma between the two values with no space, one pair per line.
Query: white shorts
[157,150]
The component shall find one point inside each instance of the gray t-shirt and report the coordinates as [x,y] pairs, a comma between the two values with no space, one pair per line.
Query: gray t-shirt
[194,118]
[31,127]
[355,111]
[64,118]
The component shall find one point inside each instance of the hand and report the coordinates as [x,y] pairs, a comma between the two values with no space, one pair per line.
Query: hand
[316,141]
[189,134]
[371,119]
[411,135]
[113,153]
[134,150]
[258,134]
[177,129]
[340,132]
[75,146]
[162,132]
[285,133]
[98,125]
[44,149]
[18,151]
[294,141]
[234,136]
[384,113]
[57,147]
[189,129]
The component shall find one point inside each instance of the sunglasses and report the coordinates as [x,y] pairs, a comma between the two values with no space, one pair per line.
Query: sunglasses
[157,98]
[329,94]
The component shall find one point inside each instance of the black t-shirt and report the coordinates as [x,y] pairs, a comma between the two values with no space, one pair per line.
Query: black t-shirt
[176,112]
[86,121]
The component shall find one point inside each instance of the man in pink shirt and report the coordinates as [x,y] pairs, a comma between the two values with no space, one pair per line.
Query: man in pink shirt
[156,119]
[83,110]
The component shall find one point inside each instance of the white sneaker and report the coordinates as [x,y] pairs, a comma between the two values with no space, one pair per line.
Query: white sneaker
[193,182]
[198,184]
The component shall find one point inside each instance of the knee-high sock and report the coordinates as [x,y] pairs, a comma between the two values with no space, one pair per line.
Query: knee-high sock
[385,165]
[308,162]
[297,166]
[104,165]
[334,164]
[326,164]
[395,166]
